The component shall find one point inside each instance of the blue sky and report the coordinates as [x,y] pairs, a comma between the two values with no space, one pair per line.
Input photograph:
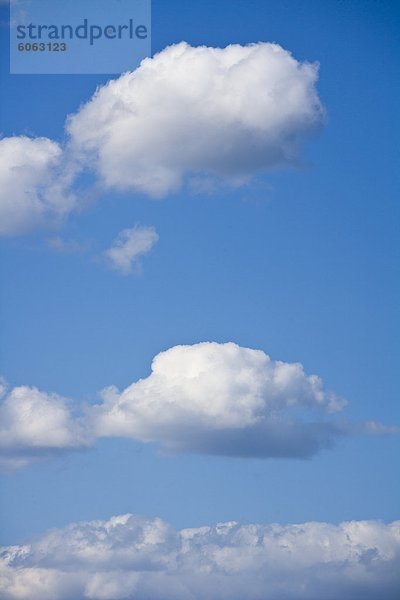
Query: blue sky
[300,262]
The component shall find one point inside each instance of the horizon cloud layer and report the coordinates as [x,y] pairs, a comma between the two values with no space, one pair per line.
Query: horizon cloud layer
[136,557]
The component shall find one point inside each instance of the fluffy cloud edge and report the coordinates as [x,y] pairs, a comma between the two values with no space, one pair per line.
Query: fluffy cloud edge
[36,180]
[36,425]
[129,556]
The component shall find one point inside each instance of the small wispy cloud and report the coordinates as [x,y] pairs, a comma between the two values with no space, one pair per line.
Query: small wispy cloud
[3,387]
[67,246]
[373,428]
[129,247]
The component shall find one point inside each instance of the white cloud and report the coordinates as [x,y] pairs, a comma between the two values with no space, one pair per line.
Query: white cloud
[129,246]
[34,425]
[226,112]
[134,557]
[200,113]
[70,246]
[208,398]
[222,399]
[33,184]
[3,387]
[374,428]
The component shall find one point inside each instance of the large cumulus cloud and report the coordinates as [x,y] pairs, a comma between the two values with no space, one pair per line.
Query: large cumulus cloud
[225,113]
[133,557]
[222,399]
[228,112]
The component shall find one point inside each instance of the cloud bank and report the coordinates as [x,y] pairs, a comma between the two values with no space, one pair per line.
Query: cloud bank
[188,112]
[133,557]
[129,246]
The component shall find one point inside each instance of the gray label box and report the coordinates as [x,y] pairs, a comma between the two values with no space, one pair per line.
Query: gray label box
[79,36]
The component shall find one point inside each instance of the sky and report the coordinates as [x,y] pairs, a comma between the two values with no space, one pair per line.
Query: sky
[199,310]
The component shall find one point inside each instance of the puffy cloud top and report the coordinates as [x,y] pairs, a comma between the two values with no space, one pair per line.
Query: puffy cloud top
[134,557]
[221,399]
[229,112]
